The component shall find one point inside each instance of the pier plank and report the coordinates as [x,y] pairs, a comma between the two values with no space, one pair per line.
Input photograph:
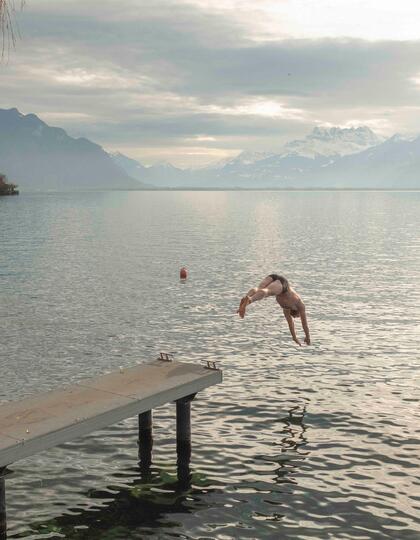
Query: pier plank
[43,421]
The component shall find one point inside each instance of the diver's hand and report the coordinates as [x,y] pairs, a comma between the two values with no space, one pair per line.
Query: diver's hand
[307,340]
[295,339]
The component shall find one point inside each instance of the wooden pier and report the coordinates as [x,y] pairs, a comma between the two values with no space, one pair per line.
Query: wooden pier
[46,420]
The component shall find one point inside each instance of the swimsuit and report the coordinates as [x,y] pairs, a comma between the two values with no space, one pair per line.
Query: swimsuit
[283,281]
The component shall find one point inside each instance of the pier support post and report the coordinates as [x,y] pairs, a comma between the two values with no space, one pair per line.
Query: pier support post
[145,440]
[3,524]
[183,420]
[183,439]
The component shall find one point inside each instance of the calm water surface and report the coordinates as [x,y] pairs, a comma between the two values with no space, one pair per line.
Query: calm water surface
[319,442]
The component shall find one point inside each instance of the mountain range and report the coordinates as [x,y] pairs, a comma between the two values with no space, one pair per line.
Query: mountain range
[40,157]
[333,141]
[327,157]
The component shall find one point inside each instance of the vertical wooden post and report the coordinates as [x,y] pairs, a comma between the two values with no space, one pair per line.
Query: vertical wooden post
[183,439]
[3,524]
[183,421]
[145,440]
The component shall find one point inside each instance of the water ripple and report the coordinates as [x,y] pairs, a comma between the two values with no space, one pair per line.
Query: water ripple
[319,442]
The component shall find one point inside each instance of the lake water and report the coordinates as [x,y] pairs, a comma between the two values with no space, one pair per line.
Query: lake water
[319,442]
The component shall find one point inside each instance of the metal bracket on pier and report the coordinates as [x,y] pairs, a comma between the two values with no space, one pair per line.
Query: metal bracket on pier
[166,357]
[211,365]
[5,472]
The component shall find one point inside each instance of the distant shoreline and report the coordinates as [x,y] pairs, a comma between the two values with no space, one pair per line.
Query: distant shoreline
[93,190]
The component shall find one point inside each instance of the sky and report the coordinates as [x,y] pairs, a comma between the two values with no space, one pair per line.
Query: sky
[195,81]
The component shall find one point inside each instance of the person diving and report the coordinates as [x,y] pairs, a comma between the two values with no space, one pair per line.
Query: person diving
[288,299]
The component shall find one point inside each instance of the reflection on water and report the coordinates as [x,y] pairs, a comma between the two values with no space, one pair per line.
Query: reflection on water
[315,442]
[151,494]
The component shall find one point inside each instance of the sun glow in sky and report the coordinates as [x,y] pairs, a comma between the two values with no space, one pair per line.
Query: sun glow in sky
[365,19]
[196,80]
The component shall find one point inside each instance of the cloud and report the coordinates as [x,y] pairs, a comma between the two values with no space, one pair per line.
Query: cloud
[133,73]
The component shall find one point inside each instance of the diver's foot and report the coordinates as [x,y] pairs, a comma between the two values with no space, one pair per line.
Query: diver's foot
[242,306]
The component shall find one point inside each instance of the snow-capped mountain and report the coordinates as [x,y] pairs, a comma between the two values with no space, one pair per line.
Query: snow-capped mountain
[395,163]
[327,157]
[296,160]
[161,174]
[322,141]
[323,159]
[333,141]
[164,174]
[274,171]
[132,167]
[244,158]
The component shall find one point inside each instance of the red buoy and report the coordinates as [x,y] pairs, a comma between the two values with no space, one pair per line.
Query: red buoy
[183,273]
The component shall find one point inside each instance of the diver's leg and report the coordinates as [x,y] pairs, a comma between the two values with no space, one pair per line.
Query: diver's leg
[256,294]
[273,289]
[264,283]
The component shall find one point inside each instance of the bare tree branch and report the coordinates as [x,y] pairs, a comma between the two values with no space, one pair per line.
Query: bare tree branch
[8,26]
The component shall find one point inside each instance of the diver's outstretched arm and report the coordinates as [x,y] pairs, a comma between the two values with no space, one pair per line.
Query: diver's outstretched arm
[304,322]
[291,324]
